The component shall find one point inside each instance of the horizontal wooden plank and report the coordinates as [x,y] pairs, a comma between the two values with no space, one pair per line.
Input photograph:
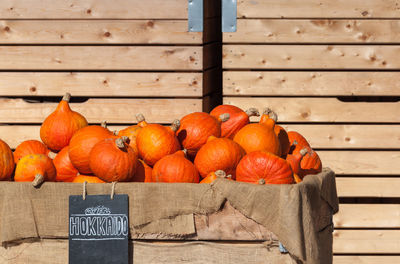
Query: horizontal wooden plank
[314,31]
[366,241]
[318,9]
[362,162]
[378,187]
[349,136]
[88,9]
[101,58]
[96,110]
[311,57]
[308,109]
[110,84]
[305,83]
[368,216]
[366,259]
[55,251]
[97,32]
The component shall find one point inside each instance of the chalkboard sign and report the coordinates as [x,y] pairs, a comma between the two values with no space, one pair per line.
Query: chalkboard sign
[98,229]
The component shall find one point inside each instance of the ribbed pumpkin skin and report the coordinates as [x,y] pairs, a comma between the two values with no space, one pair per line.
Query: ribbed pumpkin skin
[30,147]
[175,168]
[195,129]
[283,140]
[131,132]
[7,163]
[58,128]
[30,165]
[237,119]
[155,141]
[254,137]
[301,141]
[143,172]
[82,143]
[310,164]
[219,154]
[112,163]
[88,179]
[263,165]
[66,172]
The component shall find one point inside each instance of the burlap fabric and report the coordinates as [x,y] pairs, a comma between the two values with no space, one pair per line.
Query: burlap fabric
[299,214]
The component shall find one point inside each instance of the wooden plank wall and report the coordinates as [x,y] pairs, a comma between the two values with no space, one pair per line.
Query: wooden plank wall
[116,58]
[330,69]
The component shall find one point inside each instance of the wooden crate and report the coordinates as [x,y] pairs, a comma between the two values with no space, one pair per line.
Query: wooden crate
[116,58]
[330,69]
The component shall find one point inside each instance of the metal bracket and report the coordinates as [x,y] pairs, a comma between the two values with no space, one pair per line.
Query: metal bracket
[229,10]
[282,249]
[195,15]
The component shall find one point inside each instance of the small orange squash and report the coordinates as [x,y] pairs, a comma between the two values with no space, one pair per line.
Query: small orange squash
[310,164]
[59,127]
[66,172]
[132,131]
[155,141]
[212,176]
[7,163]
[30,147]
[112,159]
[297,142]
[237,118]
[294,161]
[143,172]
[218,154]
[262,167]
[175,168]
[35,168]
[88,179]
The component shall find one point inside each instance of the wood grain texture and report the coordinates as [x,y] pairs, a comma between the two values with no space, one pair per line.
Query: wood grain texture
[97,84]
[97,32]
[308,109]
[311,57]
[101,58]
[314,31]
[368,216]
[96,110]
[318,9]
[349,136]
[378,187]
[305,83]
[366,241]
[362,162]
[92,9]
[366,259]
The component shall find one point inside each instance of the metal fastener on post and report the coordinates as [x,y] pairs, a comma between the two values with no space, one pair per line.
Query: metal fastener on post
[195,15]
[229,10]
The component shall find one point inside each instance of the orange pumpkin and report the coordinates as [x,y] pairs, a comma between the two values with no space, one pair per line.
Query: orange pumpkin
[30,147]
[113,160]
[297,142]
[155,141]
[143,172]
[237,118]
[66,172]
[196,128]
[262,167]
[261,136]
[88,179]
[7,163]
[218,154]
[212,176]
[35,168]
[294,161]
[310,164]
[132,131]
[175,168]
[82,143]
[59,127]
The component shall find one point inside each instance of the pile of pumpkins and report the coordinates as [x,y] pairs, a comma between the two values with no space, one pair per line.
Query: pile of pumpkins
[200,147]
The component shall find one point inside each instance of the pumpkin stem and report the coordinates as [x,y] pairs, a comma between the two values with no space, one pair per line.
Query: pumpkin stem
[175,125]
[185,151]
[39,179]
[140,117]
[229,176]
[303,152]
[120,142]
[220,174]
[267,111]
[66,97]
[252,112]
[261,181]
[52,155]
[224,117]
[103,124]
